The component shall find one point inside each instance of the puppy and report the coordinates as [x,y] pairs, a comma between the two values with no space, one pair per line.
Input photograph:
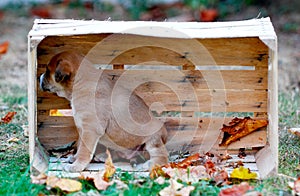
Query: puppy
[100,114]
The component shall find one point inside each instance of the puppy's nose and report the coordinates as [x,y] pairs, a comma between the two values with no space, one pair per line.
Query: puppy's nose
[42,83]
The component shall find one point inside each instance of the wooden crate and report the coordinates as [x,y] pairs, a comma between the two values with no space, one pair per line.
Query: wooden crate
[219,70]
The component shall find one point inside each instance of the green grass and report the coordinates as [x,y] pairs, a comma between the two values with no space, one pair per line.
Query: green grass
[14,158]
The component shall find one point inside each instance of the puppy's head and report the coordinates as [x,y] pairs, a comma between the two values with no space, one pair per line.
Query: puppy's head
[60,74]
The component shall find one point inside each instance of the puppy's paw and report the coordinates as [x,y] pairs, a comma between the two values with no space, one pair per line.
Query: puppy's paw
[74,167]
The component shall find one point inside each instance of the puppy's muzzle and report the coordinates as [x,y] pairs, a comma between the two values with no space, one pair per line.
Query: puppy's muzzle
[44,83]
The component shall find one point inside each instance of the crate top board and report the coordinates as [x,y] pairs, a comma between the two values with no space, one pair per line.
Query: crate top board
[250,43]
[249,28]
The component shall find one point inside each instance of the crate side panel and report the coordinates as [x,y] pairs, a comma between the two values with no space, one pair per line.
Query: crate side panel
[134,49]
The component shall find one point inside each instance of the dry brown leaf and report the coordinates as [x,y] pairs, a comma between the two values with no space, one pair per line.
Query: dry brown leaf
[64,184]
[8,117]
[185,163]
[190,175]
[157,171]
[239,128]
[236,190]
[101,179]
[39,179]
[100,183]
[221,178]
[4,47]
[109,167]
[210,167]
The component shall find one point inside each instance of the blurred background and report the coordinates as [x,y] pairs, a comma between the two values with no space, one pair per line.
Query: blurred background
[17,16]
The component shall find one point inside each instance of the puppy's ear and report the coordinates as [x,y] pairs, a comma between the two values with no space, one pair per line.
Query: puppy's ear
[63,71]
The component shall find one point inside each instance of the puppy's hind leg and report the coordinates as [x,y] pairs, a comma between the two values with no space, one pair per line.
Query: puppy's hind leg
[157,151]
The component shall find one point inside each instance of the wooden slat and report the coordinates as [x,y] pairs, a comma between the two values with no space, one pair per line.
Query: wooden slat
[53,137]
[136,49]
[56,102]
[203,101]
[46,120]
[202,133]
[199,79]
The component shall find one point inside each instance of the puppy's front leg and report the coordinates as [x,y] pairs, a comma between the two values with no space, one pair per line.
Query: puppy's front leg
[86,147]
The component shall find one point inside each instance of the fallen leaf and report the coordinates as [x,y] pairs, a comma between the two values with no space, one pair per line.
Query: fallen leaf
[210,167]
[39,179]
[13,139]
[236,190]
[100,183]
[243,173]
[191,174]
[239,128]
[101,179]
[109,167]
[221,178]
[172,189]
[157,171]
[8,117]
[185,191]
[185,163]
[4,47]
[176,189]
[64,184]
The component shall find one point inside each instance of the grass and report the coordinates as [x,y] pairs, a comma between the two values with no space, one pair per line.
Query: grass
[14,158]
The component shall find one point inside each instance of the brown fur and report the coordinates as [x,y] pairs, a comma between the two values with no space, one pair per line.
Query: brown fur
[94,117]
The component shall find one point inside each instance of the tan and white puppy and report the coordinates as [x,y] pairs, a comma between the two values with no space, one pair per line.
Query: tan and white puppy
[100,115]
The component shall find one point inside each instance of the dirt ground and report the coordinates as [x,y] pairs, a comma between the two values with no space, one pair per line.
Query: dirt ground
[13,64]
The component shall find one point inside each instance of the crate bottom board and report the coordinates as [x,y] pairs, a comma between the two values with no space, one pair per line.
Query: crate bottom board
[56,167]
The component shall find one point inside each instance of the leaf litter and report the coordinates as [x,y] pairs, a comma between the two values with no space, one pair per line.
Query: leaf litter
[174,178]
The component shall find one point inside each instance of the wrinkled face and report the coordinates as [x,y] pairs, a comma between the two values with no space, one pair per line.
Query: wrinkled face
[60,73]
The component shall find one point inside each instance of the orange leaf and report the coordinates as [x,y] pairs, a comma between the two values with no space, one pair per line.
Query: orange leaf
[8,117]
[4,47]
[157,171]
[210,167]
[109,167]
[239,128]
[185,163]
